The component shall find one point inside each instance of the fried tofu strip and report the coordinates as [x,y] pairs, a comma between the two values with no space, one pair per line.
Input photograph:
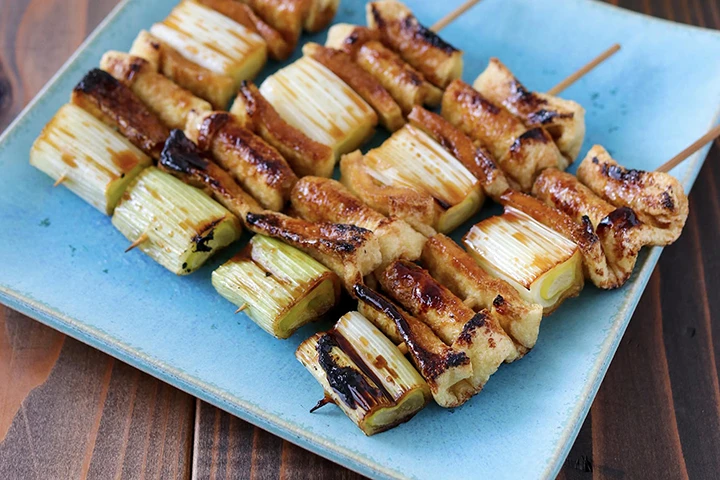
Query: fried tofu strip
[305,155]
[351,252]
[318,199]
[477,334]
[170,102]
[184,160]
[342,65]
[417,208]
[475,158]
[450,265]
[563,119]
[320,15]
[257,166]
[657,198]
[521,153]
[595,266]
[285,16]
[278,48]
[444,369]
[108,100]
[216,88]
[404,83]
[621,233]
[440,62]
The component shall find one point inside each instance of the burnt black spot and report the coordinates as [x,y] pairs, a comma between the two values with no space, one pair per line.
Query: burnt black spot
[99,81]
[423,34]
[616,172]
[595,160]
[499,301]
[181,154]
[532,135]
[479,101]
[202,240]
[622,218]
[477,321]
[348,383]
[667,201]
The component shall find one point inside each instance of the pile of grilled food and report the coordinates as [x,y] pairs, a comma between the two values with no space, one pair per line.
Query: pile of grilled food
[144,139]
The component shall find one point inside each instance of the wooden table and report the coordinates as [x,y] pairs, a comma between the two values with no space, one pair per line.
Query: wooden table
[69,411]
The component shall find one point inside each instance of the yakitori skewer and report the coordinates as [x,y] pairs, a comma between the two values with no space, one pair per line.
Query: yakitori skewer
[697,145]
[452,16]
[563,85]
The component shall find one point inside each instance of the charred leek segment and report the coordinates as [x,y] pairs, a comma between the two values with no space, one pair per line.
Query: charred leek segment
[522,153]
[439,61]
[446,370]
[364,374]
[93,161]
[282,287]
[563,119]
[315,101]
[170,102]
[178,226]
[410,158]
[216,88]
[657,198]
[213,41]
[118,107]
[543,266]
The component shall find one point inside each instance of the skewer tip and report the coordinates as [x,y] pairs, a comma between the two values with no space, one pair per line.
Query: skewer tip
[60,180]
[137,242]
[242,307]
[323,401]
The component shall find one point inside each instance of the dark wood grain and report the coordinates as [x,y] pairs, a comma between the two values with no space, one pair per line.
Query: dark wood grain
[68,411]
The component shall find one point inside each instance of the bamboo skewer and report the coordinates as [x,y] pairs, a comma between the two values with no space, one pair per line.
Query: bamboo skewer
[584,70]
[450,17]
[60,180]
[142,238]
[697,145]
[243,307]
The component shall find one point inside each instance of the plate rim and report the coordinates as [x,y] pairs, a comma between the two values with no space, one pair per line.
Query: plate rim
[192,385]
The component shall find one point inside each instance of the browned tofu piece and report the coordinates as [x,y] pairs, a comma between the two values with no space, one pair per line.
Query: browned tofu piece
[216,88]
[477,334]
[365,84]
[440,62]
[657,198]
[621,233]
[445,369]
[351,252]
[319,199]
[285,16]
[349,38]
[521,153]
[455,269]
[257,166]
[184,160]
[475,158]
[170,102]
[278,47]
[320,14]
[563,119]
[305,156]
[118,107]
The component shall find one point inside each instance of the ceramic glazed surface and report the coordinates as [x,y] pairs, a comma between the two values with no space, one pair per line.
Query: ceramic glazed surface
[62,262]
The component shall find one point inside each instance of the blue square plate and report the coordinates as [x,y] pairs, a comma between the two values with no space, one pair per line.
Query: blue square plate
[62,262]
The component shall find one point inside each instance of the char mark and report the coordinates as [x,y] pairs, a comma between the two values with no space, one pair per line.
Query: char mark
[98,81]
[423,34]
[181,154]
[623,218]
[532,135]
[616,172]
[468,331]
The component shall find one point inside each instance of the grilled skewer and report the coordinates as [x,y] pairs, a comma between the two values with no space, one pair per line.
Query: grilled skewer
[170,102]
[118,107]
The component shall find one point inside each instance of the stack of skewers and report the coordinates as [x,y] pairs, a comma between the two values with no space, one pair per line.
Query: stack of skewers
[379,232]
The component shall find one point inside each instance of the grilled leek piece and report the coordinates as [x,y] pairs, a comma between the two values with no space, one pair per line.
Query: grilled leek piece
[595,265]
[213,41]
[342,65]
[280,287]
[542,265]
[184,160]
[256,166]
[92,160]
[364,374]
[522,153]
[446,370]
[621,233]
[563,119]
[176,225]
[351,252]
[455,269]
[475,158]
[118,107]
[410,158]
[657,198]
[404,83]
[315,101]
[170,102]
[477,334]
[324,200]
[305,155]
[439,61]
[216,88]
[278,48]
